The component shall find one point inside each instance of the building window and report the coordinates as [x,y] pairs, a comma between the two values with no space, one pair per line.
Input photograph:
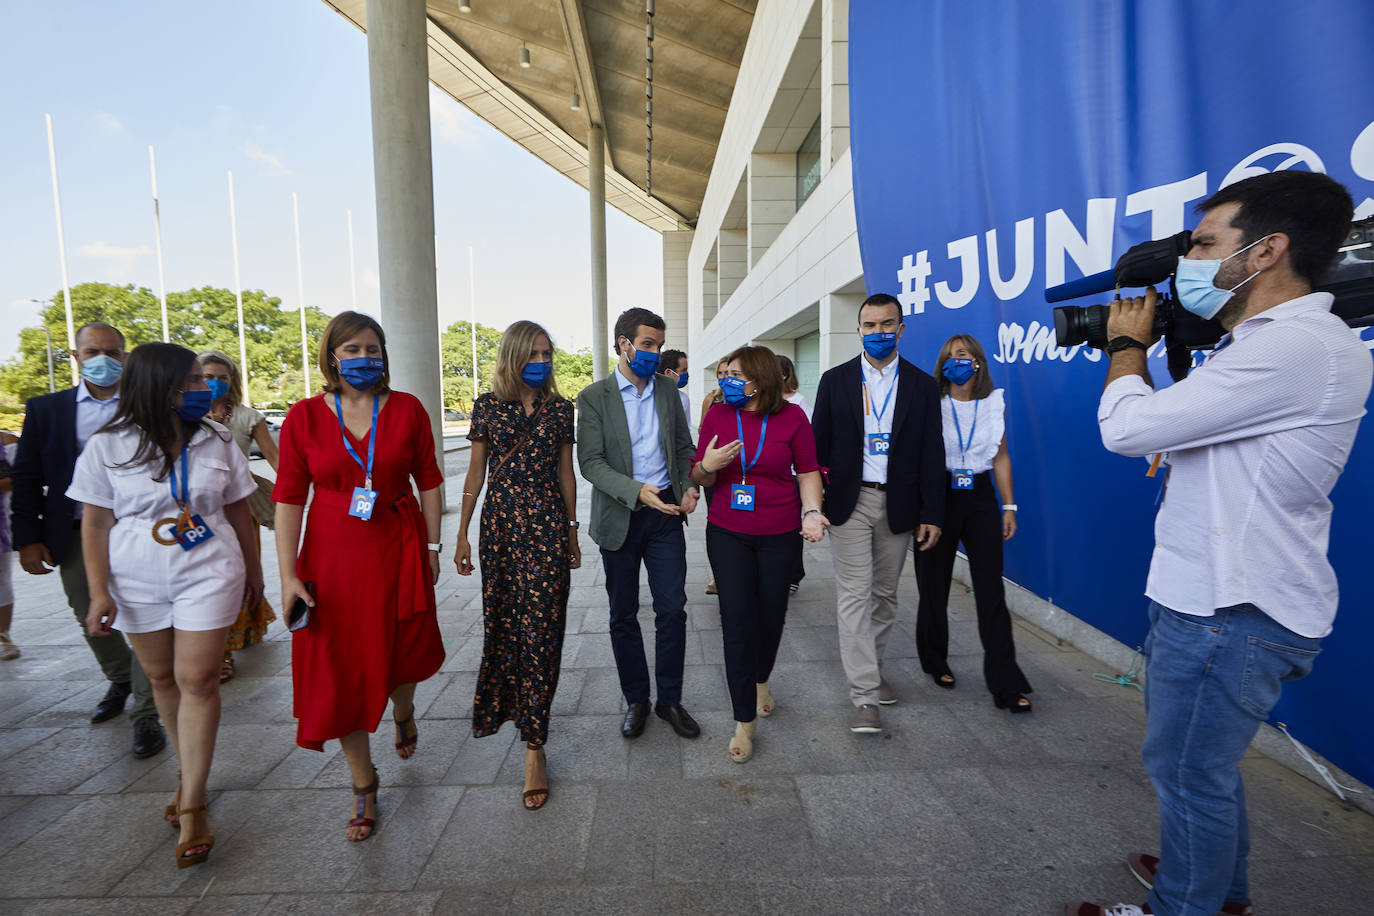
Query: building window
[809,163]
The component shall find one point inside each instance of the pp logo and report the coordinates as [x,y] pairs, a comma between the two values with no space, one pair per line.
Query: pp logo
[362,506]
[961,480]
[744,499]
[195,535]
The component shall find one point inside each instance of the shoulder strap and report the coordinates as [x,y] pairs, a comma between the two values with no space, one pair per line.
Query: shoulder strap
[534,418]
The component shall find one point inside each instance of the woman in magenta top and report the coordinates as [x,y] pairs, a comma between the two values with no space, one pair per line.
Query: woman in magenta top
[753,521]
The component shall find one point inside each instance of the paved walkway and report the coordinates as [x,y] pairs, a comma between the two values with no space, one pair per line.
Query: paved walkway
[957,808]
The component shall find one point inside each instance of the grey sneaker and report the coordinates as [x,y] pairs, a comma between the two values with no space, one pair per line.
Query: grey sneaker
[886,695]
[865,721]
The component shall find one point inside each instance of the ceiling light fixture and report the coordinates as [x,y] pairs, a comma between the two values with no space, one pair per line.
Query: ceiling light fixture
[576,103]
[524,57]
[464,6]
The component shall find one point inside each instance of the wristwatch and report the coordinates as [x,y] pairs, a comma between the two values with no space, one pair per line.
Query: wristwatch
[574,524]
[437,548]
[1117,344]
[1009,507]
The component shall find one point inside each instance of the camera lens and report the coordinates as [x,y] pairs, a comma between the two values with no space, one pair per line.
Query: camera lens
[1069,327]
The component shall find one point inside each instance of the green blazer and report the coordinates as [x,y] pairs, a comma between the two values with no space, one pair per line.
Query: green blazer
[604,456]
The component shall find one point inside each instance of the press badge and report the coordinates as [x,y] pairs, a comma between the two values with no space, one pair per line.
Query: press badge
[878,443]
[961,479]
[192,533]
[362,502]
[742,497]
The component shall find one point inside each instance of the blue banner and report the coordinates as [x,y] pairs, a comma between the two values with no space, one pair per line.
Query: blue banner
[1000,148]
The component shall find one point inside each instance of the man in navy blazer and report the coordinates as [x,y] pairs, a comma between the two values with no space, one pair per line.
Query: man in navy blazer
[879,442]
[47,525]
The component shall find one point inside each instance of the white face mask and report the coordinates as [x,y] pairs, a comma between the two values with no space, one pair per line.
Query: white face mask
[1193,282]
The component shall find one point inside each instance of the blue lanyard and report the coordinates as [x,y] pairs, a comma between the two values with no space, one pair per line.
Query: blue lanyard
[954,409]
[745,465]
[371,441]
[879,411]
[182,501]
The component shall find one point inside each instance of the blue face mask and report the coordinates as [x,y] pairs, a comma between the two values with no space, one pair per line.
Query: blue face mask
[1193,283]
[644,364]
[733,390]
[102,371]
[218,388]
[362,372]
[880,345]
[536,374]
[194,404]
[959,371]
[682,380]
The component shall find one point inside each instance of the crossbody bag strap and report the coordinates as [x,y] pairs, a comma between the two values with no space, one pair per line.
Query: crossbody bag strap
[534,418]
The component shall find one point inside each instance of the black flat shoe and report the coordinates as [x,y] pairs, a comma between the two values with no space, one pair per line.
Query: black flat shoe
[940,681]
[681,721]
[113,703]
[635,717]
[148,737]
[1016,704]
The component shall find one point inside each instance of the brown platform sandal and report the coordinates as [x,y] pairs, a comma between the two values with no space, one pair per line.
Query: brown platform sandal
[544,791]
[407,737]
[226,668]
[169,813]
[202,842]
[360,794]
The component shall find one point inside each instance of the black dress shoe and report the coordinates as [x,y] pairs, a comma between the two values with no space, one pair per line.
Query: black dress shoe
[148,737]
[113,704]
[635,717]
[681,721]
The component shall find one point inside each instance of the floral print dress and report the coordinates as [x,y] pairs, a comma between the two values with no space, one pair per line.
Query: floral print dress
[522,550]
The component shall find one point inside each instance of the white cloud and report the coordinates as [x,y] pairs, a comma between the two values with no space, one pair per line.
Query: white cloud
[110,122]
[274,165]
[448,119]
[118,261]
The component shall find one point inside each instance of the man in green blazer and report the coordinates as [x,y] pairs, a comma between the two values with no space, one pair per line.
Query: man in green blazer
[634,447]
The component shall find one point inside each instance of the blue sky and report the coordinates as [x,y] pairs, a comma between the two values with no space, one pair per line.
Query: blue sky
[276,91]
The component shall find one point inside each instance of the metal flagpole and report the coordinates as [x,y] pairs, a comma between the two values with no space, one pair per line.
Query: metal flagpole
[300,295]
[62,257]
[352,267]
[238,295]
[157,238]
[472,302]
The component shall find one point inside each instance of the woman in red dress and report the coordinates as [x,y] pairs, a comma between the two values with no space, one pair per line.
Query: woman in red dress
[370,557]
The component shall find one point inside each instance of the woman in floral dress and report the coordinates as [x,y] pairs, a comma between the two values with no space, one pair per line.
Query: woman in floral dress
[522,439]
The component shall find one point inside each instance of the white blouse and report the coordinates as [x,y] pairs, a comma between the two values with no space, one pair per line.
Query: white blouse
[218,471]
[981,440]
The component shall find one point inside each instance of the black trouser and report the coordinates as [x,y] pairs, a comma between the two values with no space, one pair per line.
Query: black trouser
[752,575]
[975,518]
[656,540]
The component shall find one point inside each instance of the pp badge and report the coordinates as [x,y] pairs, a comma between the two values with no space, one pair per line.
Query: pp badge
[961,479]
[878,443]
[192,532]
[742,497]
[362,503]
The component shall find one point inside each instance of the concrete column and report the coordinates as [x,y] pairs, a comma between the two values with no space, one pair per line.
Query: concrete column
[676,247]
[839,328]
[834,81]
[772,181]
[732,262]
[398,76]
[596,188]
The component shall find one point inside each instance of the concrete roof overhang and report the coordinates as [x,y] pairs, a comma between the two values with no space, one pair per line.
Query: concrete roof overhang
[596,48]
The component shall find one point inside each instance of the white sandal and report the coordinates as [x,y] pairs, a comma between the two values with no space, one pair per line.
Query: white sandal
[742,744]
[766,705]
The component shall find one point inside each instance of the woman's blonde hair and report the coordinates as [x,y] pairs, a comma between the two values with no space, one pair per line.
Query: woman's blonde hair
[516,344]
[235,396]
[982,381]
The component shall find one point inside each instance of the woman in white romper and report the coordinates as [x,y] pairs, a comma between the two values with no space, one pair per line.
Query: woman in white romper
[166,525]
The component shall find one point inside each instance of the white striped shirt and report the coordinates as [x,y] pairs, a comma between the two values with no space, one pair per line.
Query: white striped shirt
[1257,437]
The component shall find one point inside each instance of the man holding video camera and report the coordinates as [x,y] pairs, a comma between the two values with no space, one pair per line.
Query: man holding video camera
[1254,440]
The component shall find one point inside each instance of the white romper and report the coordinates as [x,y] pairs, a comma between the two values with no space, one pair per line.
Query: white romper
[156,586]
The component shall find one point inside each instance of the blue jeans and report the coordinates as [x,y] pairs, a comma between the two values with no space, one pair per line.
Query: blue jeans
[657,541]
[1209,683]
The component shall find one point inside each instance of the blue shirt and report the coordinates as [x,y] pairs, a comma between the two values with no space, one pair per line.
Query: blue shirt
[641,413]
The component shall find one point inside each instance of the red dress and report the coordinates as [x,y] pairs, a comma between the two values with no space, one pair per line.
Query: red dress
[373,626]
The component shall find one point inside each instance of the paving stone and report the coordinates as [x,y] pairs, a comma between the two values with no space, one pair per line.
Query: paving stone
[396,856]
[410,904]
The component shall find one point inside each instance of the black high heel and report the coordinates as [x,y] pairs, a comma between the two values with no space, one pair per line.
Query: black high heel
[943,684]
[1017,704]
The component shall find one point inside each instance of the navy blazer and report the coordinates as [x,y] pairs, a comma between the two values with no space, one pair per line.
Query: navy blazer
[916,453]
[40,512]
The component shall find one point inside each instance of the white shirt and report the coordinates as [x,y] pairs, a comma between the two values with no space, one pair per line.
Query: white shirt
[880,385]
[686,405]
[981,423]
[800,400]
[1257,437]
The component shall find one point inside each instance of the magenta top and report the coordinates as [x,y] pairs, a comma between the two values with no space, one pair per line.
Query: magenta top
[788,447]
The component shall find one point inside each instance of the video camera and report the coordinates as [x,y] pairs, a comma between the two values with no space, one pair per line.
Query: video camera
[1350,278]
